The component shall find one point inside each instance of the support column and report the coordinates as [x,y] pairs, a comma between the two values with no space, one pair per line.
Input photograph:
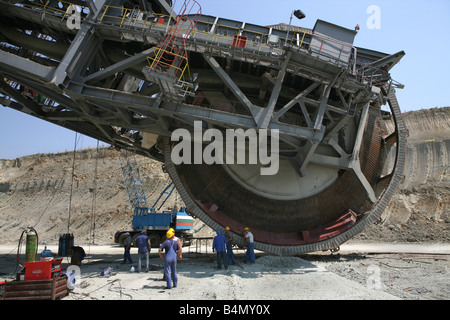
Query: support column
[355,165]
[265,114]
[80,51]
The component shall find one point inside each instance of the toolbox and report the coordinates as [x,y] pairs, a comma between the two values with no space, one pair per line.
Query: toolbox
[43,270]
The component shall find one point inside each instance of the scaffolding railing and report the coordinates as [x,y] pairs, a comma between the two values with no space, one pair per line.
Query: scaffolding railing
[171,57]
[234,36]
[60,9]
[171,54]
[164,61]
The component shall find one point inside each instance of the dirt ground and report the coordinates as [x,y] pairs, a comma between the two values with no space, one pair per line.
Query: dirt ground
[357,272]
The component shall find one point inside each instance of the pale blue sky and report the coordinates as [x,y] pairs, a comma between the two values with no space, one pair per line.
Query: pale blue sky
[420,28]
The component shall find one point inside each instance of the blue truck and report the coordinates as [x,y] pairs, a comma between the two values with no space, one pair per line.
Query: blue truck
[150,218]
[157,223]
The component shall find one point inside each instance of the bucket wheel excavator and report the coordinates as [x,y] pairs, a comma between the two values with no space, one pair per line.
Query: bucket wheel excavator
[131,72]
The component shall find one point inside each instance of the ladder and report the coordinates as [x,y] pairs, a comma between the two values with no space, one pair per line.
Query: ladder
[169,67]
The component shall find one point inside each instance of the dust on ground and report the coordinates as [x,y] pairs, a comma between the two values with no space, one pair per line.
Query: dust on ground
[347,275]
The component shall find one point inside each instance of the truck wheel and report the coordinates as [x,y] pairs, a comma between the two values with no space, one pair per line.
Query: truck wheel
[155,240]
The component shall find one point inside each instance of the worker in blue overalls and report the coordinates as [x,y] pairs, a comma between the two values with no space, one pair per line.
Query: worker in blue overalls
[172,252]
[230,255]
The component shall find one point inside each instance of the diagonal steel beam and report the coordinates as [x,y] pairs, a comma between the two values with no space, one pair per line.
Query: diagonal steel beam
[305,113]
[360,132]
[31,107]
[120,66]
[355,164]
[265,114]
[337,127]
[232,86]
[294,101]
[81,49]
[167,7]
[322,108]
[306,153]
[12,62]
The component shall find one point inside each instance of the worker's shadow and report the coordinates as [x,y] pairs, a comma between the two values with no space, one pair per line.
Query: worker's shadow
[155,287]
[251,270]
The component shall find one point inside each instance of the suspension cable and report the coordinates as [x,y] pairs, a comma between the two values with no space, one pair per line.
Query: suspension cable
[71,187]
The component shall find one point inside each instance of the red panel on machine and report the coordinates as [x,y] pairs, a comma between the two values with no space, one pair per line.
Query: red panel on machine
[239,41]
[43,270]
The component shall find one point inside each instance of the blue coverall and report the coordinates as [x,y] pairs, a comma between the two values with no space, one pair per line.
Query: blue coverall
[219,244]
[170,262]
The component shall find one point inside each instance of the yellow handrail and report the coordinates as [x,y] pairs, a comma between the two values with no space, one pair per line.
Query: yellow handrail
[156,60]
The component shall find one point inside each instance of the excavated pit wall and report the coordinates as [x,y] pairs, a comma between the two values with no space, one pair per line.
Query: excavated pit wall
[36,191]
[419,211]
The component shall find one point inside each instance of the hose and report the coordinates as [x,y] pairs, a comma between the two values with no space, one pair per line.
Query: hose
[26,230]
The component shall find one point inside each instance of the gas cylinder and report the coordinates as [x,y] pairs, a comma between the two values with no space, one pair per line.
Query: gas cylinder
[66,242]
[31,246]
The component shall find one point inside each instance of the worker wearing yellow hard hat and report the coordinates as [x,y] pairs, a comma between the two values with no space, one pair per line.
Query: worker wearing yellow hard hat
[175,238]
[179,243]
[230,256]
[170,234]
[172,252]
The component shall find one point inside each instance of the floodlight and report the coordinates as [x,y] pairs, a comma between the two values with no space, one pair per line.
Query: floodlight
[299,14]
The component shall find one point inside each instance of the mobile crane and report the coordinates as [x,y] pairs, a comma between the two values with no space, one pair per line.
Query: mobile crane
[150,218]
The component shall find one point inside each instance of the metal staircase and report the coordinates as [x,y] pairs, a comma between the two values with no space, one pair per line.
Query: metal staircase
[169,67]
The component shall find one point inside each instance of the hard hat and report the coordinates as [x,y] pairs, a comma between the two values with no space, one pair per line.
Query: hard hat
[246,229]
[227,228]
[171,229]
[169,234]
[218,231]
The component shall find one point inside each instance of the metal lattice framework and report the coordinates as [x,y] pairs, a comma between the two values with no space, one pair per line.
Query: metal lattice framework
[131,72]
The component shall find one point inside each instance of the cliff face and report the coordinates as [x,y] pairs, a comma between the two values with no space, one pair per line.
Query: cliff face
[38,191]
[420,209]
